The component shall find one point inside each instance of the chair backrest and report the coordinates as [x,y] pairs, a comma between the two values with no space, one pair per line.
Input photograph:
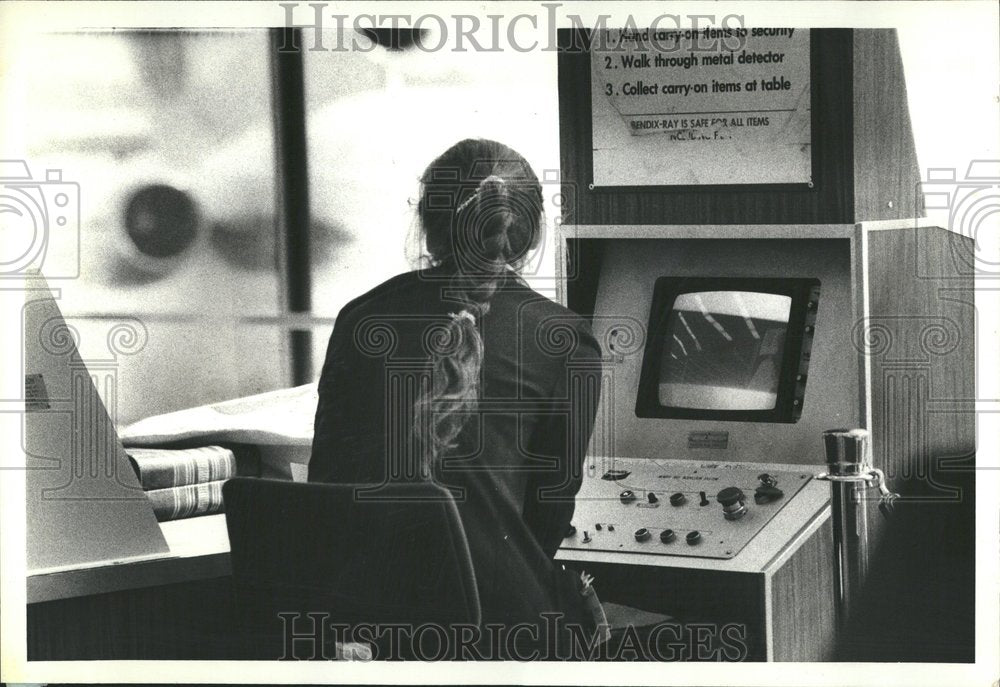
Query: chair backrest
[350,554]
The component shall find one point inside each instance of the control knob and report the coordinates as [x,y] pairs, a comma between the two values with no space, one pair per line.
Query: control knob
[767,479]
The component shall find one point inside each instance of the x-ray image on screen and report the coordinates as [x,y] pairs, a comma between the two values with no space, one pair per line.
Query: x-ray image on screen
[722,350]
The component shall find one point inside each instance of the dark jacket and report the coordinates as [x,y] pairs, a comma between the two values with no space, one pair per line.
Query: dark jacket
[519,459]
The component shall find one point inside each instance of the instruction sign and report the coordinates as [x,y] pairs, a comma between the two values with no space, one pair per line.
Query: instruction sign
[701,107]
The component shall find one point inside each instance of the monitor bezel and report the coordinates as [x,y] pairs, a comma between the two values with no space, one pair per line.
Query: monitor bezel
[792,378]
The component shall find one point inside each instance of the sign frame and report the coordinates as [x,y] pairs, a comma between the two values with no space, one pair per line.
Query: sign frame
[587,153]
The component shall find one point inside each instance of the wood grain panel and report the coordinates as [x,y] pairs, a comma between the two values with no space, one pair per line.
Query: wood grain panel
[885,162]
[923,376]
[922,571]
[803,601]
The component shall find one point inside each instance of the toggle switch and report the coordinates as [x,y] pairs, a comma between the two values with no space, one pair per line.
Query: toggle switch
[651,497]
[767,494]
[704,499]
[586,537]
[615,474]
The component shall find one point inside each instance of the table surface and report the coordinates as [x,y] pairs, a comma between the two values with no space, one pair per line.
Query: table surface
[199,549]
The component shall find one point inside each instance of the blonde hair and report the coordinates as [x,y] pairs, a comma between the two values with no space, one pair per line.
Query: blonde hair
[480,212]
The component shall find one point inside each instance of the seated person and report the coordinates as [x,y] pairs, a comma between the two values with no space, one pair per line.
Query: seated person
[506,388]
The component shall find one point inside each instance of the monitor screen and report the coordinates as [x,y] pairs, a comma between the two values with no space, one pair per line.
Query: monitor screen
[728,348]
[722,350]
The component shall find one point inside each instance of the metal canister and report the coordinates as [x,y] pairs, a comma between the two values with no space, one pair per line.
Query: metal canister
[848,458]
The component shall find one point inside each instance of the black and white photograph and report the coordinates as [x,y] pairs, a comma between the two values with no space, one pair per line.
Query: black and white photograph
[524,343]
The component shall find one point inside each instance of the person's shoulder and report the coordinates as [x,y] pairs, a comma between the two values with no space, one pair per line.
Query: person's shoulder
[557,329]
[374,299]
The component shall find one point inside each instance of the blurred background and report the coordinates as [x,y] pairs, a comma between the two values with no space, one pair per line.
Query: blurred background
[171,136]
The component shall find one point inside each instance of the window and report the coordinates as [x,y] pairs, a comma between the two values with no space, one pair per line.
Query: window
[168,135]
[184,220]
[377,117]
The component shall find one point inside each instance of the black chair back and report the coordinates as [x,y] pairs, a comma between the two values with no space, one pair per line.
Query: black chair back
[347,555]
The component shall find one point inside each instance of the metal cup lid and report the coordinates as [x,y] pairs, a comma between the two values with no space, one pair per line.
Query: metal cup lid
[847,449]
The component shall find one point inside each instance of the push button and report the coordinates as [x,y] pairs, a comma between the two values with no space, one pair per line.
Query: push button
[667,536]
[733,503]
[677,499]
[693,537]
[627,496]
[642,534]
[730,496]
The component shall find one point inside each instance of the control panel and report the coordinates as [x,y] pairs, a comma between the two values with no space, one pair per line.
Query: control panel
[677,508]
